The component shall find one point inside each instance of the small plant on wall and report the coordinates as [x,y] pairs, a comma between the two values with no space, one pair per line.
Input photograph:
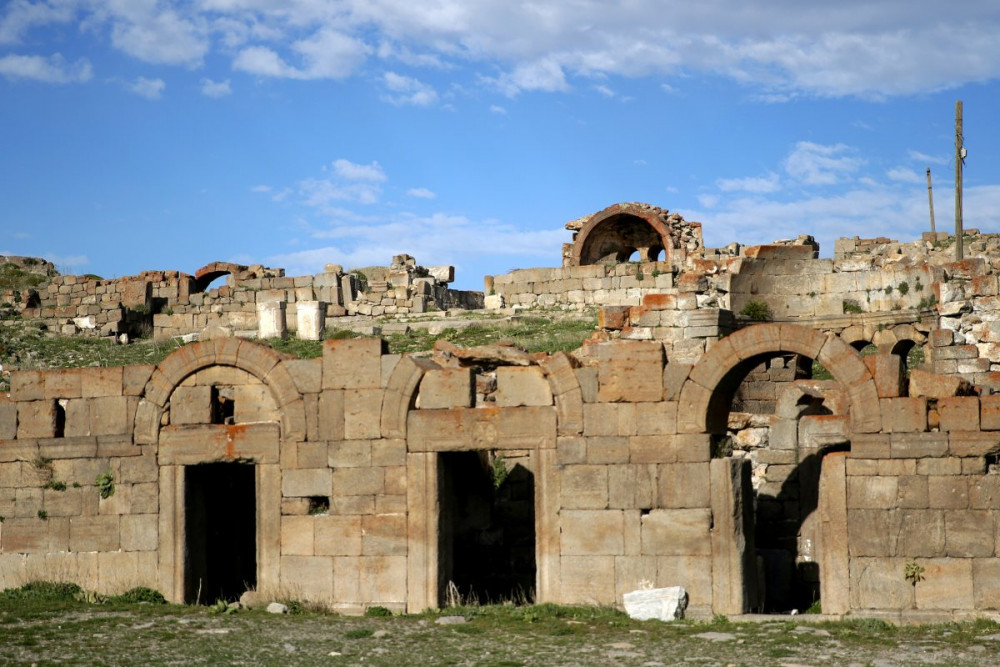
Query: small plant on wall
[106,484]
[913,572]
[757,311]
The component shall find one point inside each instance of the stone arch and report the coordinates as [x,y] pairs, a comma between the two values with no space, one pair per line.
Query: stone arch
[856,336]
[618,231]
[204,276]
[708,391]
[261,361]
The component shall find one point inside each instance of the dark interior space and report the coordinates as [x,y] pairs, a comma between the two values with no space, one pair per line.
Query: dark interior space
[220,532]
[487,530]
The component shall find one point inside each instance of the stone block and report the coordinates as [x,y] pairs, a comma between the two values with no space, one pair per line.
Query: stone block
[191,405]
[873,532]
[608,449]
[101,382]
[947,584]
[652,449]
[683,485]
[984,492]
[584,487]
[77,418]
[36,419]
[337,535]
[571,450]
[522,385]
[353,363]
[973,443]
[139,532]
[969,533]
[94,533]
[677,532]
[297,535]
[662,604]
[888,372]
[306,482]
[878,583]
[358,482]
[362,414]
[592,532]
[912,492]
[631,371]
[383,535]
[918,445]
[66,383]
[904,415]
[932,385]
[254,403]
[109,415]
[27,386]
[948,492]
[656,418]
[481,428]
[871,492]
[587,580]
[307,577]
[632,486]
[959,413]
[986,583]
[331,415]
[447,388]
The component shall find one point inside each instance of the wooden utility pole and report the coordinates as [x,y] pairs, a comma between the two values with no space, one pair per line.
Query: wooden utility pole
[959,155]
[930,202]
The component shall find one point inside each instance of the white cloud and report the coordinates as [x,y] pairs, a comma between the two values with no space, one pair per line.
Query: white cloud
[166,37]
[604,90]
[22,15]
[433,239]
[53,69]
[904,175]
[816,164]
[407,90]
[544,75]
[498,110]
[151,89]
[215,89]
[325,54]
[358,172]
[421,193]
[759,184]
[782,50]
[67,263]
[917,156]
[261,188]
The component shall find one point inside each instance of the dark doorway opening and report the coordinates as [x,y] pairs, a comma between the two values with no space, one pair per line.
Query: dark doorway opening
[487,529]
[220,529]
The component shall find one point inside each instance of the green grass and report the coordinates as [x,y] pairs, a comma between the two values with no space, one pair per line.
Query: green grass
[46,623]
[533,334]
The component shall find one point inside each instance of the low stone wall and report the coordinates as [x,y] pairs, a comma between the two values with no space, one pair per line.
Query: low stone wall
[579,286]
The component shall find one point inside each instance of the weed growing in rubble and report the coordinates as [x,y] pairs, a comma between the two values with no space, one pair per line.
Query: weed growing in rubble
[757,311]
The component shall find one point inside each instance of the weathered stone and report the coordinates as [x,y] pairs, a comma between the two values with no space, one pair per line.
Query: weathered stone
[661,604]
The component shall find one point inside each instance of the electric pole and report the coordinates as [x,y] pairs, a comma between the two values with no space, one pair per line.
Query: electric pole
[930,202]
[959,156]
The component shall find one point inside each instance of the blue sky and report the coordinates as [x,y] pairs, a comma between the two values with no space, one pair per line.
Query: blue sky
[144,134]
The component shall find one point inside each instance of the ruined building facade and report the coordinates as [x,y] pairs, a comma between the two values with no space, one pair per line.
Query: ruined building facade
[365,478]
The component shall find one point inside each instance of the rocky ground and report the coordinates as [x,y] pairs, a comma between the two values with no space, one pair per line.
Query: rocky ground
[54,632]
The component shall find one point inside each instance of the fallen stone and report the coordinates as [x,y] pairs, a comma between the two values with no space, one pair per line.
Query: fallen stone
[716,636]
[450,620]
[662,604]
[277,608]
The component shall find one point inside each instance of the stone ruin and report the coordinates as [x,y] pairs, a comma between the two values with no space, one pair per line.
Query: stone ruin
[685,444]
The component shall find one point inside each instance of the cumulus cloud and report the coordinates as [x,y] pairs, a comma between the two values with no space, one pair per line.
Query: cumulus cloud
[53,69]
[816,164]
[151,89]
[904,175]
[325,54]
[769,183]
[421,193]
[358,172]
[215,89]
[782,50]
[405,90]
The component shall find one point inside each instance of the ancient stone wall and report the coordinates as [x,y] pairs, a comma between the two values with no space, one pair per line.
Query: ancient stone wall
[353,458]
